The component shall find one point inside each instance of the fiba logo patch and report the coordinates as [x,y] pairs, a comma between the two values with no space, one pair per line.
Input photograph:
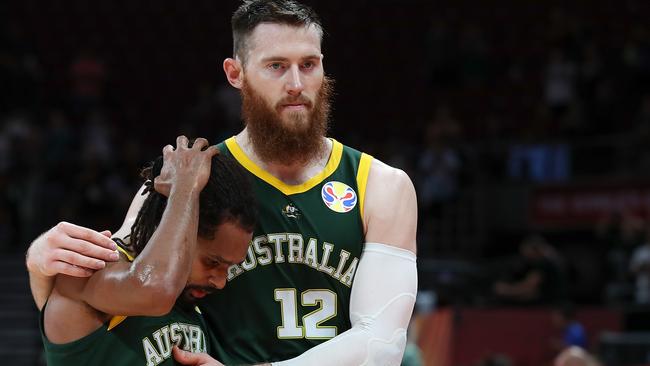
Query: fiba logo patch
[338,197]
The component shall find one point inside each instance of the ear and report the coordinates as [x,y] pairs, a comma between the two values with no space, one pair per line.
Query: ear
[234,72]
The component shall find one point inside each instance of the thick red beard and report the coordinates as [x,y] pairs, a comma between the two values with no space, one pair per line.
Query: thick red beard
[296,141]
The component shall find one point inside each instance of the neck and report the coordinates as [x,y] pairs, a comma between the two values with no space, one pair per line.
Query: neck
[293,174]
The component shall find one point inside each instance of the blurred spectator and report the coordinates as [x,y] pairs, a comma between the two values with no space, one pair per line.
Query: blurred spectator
[88,76]
[539,278]
[474,55]
[60,141]
[97,137]
[638,152]
[440,164]
[618,235]
[591,69]
[575,356]
[20,69]
[640,268]
[571,330]
[441,54]
[539,162]
[559,82]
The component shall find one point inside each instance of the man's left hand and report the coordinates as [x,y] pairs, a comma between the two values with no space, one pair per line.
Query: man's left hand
[194,359]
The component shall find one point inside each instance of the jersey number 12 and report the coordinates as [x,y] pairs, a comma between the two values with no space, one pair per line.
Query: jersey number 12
[311,327]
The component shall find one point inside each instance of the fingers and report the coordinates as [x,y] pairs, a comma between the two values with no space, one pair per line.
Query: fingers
[71,249]
[70,270]
[183,357]
[200,143]
[82,246]
[181,141]
[79,260]
[194,359]
[212,151]
[167,149]
[86,234]
[88,249]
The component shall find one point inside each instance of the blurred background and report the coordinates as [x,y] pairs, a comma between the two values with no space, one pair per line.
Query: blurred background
[524,125]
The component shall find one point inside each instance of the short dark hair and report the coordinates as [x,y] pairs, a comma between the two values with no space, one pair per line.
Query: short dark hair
[227,197]
[254,12]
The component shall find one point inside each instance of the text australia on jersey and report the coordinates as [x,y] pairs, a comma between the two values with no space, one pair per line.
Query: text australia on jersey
[267,249]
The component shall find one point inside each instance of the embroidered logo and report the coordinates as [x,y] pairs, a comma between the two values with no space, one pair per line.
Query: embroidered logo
[338,197]
[291,211]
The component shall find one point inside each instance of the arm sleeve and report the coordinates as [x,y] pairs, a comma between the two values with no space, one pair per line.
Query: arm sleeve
[381,303]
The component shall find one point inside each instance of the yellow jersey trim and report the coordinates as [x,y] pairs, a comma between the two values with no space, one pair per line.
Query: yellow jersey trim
[362,179]
[287,189]
[117,319]
[127,254]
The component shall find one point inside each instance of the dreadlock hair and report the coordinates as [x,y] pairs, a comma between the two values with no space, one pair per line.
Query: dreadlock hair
[253,12]
[227,197]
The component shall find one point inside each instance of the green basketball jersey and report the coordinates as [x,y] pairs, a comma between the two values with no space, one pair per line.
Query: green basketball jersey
[292,291]
[137,340]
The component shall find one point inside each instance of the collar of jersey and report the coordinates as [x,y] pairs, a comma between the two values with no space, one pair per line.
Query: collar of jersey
[287,189]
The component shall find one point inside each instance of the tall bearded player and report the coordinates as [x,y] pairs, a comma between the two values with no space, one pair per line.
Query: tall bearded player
[330,274]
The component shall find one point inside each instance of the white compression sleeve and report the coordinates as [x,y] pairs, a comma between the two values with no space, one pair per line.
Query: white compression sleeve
[381,303]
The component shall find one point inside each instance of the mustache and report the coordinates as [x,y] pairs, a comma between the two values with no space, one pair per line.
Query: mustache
[208,289]
[301,99]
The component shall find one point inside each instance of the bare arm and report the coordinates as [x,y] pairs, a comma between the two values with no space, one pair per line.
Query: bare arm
[66,248]
[391,208]
[73,250]
[151,283]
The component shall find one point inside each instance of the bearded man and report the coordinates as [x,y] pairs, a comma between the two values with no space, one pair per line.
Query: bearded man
[330,275]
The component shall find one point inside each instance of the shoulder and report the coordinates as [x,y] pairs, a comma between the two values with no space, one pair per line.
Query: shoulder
[384,174]
[389,186]
[390,215]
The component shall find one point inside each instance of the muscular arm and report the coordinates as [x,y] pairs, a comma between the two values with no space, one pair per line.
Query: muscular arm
[73,250]
[391,208]
[151,283]
[66,248]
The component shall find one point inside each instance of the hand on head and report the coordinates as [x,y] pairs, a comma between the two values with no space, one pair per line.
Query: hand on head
[184,167]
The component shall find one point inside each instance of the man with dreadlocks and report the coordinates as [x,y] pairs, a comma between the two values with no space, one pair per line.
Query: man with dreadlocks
[330,276]
[189,191]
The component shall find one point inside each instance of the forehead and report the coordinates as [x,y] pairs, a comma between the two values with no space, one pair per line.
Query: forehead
[282,40]
[230,242]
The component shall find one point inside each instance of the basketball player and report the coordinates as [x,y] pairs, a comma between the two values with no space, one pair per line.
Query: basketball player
[208,195]
[330,275]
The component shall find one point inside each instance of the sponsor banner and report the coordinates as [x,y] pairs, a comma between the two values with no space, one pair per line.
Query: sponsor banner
[584,204]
